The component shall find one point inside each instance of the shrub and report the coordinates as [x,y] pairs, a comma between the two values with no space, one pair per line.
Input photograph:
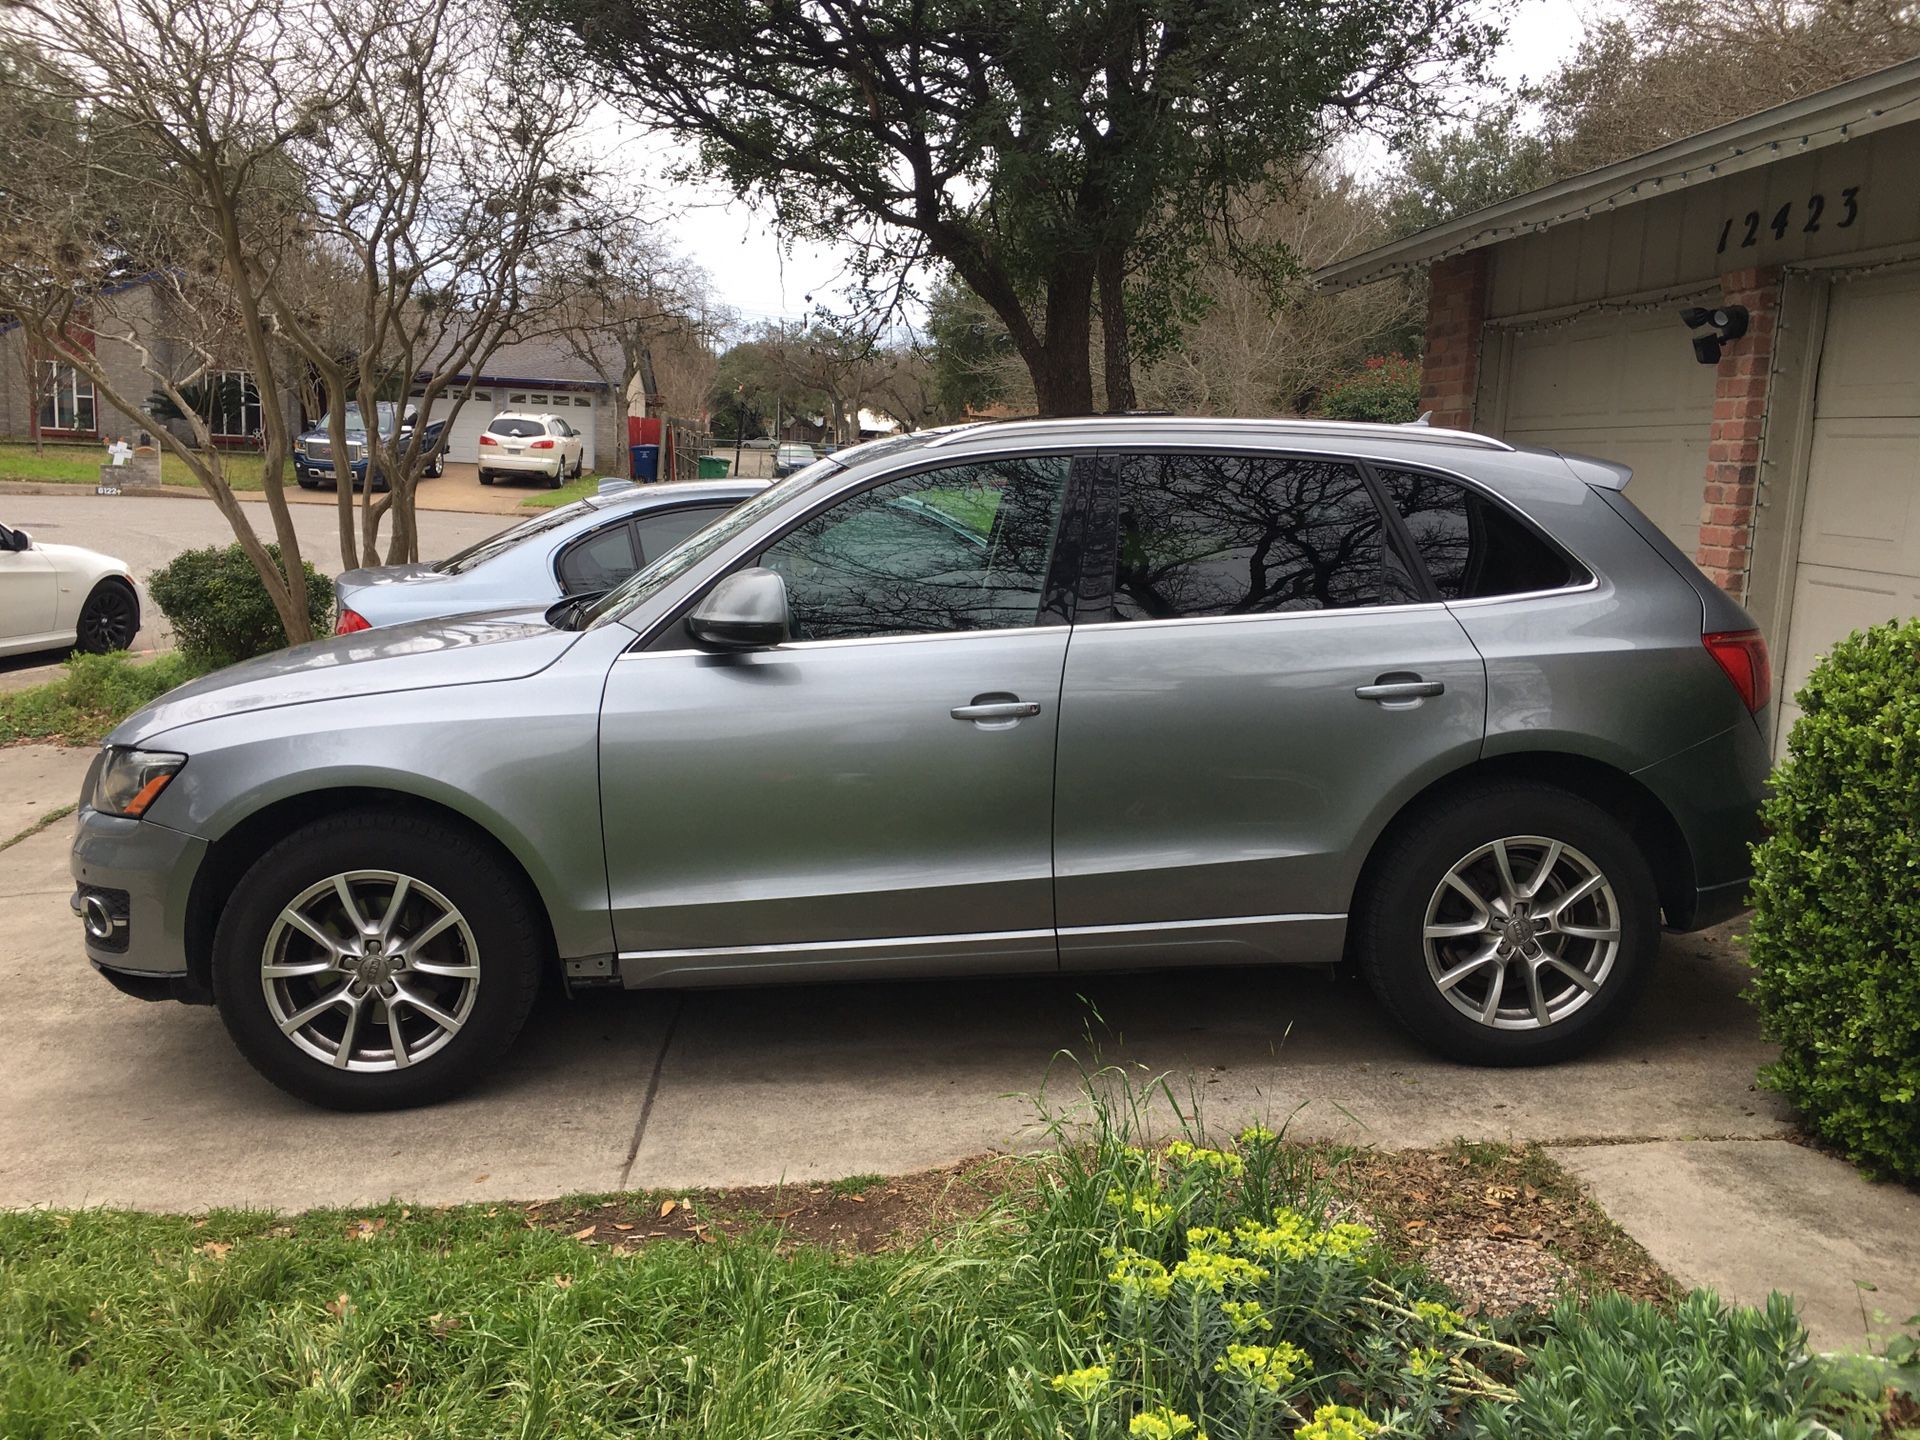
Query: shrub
[1622,1367]
[220,610]
[1836,891]
[1386,388]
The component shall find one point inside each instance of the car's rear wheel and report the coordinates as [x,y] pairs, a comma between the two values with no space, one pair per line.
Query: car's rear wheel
[377,959]
[1512,926]
[485,478]
[109,619]
[559,476]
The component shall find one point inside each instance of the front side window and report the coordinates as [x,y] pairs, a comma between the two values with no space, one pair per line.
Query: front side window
[1203,535]
[963,548]
[66,399]
[1471,546]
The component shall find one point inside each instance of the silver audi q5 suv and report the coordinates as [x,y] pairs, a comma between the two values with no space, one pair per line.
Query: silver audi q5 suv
[1029,697]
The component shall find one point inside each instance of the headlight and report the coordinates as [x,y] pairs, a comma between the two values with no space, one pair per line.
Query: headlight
[132,780]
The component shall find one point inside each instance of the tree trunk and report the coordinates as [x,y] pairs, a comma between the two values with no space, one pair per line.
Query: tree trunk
[1116,347]
[1061,367]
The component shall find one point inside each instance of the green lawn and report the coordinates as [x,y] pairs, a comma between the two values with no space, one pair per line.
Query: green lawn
[96,694]
[1086,1291]
[64,464]
[573,490]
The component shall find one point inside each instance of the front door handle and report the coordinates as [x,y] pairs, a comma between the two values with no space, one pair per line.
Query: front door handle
[1009,709]
[1389,690]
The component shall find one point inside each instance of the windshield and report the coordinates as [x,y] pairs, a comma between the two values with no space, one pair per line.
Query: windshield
[493,545]
[357,423]
[646,583]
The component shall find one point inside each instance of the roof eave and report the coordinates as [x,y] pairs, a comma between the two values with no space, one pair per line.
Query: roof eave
[1827,117]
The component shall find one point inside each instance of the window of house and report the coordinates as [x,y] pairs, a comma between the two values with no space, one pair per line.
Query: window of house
[234,408]
[1203,535]
[66,402]
[1472,546]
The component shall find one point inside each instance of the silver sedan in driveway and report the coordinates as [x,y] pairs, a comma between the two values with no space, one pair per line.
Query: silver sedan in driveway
[1032,697]
[585,548]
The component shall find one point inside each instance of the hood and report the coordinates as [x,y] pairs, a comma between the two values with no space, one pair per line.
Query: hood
[79,553]
[475,649]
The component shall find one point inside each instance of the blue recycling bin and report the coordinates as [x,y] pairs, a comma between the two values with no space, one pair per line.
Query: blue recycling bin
[646,462]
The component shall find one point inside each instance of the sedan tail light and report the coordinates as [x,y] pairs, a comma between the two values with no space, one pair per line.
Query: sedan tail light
[486,439]
[351,621]
[1743,655]
[541,445]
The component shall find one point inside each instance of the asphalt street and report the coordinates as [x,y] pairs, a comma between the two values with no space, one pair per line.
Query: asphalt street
[147,532]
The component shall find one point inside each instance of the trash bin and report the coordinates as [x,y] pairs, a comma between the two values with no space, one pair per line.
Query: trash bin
[714,467]
[646,462]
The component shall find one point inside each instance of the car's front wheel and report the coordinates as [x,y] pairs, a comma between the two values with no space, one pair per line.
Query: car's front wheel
[109,619]
[1512,926]
[377,959]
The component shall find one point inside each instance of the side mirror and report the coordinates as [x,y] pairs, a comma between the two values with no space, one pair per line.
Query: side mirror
[745,611]
[21,541]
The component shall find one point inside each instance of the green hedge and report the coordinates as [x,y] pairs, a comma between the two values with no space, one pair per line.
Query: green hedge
[1386,388]
[1836,933]
[220,610]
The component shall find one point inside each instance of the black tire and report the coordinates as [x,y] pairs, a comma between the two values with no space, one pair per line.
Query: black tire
[1405,879]
[557,479]
[511,950]
[308,483]
[485,478]
[437,466]
[109,619]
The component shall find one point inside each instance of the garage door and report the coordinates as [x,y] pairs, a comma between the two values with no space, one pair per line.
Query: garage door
[1859,559]
[1625,388]
[463,441]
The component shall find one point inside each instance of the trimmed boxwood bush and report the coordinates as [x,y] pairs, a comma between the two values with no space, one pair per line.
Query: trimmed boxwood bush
[1836,891]
[1386,388]
[219,609]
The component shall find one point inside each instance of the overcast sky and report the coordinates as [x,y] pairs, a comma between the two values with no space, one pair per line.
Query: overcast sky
[761,279]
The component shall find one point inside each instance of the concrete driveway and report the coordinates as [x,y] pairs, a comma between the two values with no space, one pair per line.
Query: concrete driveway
[108,1100]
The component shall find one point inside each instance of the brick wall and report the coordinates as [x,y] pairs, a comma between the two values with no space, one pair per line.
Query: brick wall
[1456,311]
[1739,428]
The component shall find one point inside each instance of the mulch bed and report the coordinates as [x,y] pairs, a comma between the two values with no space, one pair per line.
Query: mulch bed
[1502,1227]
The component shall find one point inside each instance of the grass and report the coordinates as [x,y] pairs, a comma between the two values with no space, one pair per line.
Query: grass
[68,464]
[520,1320]
[96,694]
[855,1184]
[573,490]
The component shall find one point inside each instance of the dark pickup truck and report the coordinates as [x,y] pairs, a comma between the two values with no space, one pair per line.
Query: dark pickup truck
[313,452]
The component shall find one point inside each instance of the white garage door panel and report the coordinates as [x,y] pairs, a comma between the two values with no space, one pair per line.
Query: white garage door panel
[1625,388]
[463,440]
[1859,558]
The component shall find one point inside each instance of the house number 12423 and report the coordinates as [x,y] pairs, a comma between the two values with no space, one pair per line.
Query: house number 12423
[1845,211]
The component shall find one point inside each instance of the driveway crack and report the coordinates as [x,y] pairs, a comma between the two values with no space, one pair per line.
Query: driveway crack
[653,1089]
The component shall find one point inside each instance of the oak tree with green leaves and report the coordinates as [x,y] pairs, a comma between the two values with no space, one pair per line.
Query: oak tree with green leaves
[1066,159]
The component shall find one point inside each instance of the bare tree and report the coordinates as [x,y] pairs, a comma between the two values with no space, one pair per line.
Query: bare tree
[175,169]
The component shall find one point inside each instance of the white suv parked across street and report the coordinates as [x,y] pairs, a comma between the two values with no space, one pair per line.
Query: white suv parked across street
[542,445]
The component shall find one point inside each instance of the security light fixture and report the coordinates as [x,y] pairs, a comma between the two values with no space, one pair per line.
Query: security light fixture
[1728,322]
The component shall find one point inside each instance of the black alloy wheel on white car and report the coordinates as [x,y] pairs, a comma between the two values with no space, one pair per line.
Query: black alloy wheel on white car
[109,619]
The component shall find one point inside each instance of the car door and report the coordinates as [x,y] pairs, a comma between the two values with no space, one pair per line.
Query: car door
[877,794]
[29,591]
[1258,677]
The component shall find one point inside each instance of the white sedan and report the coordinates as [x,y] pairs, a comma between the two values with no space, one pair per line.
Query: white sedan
[53,597]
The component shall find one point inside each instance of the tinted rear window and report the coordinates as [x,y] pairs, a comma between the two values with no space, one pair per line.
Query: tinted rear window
[518,428]
[1248,535]
[1472,546]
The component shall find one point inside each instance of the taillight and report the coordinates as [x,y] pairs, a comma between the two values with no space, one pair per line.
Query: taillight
[1743,655]
[350,622]
[486,439]
[541,445]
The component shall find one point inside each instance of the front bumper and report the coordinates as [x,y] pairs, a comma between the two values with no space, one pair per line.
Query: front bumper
[308,469]
[139,873]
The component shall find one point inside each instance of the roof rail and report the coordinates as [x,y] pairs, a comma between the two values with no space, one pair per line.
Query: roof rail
[1416,433]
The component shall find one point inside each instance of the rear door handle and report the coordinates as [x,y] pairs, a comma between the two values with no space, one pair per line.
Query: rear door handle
[1390,691]
[997,710]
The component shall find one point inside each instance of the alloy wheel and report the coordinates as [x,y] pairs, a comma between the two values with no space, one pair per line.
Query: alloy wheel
[370,970]
[1521,933]
[109,621]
